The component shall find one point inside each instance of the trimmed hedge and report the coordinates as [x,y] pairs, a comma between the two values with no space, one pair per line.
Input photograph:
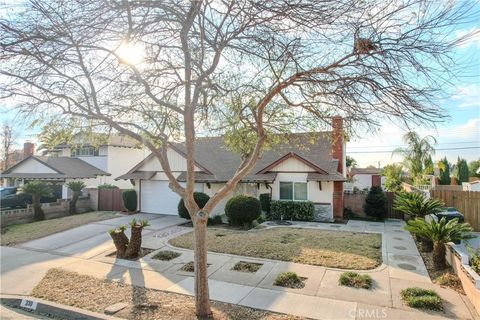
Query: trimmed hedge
[265,199]
[130,199]
[375,203]
[200,198]
[292,210]
[242,209]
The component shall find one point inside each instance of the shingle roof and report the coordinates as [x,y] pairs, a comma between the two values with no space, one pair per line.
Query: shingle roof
[220,164]
[65,167]
[355,171]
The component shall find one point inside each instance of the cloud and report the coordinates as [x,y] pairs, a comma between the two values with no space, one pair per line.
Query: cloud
[468,96]
[469,37]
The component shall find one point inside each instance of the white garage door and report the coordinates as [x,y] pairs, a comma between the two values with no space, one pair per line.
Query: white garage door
[157,197]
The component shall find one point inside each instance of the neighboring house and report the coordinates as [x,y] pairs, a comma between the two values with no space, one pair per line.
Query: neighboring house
[115,155]
[365,178]
[296,169]
[55,170]
[471,186]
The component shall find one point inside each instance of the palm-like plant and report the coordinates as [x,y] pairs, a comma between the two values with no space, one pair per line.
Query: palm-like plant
[417,153]
[440,233]
[76,187]
[37,189]
[416,204]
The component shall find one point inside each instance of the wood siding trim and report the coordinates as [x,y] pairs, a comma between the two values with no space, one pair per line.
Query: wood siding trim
[295,156]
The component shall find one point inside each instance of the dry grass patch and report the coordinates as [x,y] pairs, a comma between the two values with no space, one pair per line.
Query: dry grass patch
[336,249]
[89,293]
[244,266]
[19,233]
[290,279]
[356,280]
[166,255]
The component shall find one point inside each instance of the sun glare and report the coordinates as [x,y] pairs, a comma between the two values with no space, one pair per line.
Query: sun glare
[131,53]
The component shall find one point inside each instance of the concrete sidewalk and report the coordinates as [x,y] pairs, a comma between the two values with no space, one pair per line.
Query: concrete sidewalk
[322,297]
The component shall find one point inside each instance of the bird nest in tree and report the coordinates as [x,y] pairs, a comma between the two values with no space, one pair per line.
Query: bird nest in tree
[364,46]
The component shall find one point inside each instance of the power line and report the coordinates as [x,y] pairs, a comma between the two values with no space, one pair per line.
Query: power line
[439,149]
[404,145]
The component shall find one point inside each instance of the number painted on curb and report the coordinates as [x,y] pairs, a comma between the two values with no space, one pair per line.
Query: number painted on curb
[28,304]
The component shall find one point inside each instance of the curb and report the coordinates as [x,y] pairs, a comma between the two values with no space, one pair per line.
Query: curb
[48,308]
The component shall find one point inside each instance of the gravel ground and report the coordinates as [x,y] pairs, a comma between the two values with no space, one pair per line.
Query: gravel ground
[89,293]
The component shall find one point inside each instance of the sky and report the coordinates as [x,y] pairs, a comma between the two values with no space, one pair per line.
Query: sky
[457,136]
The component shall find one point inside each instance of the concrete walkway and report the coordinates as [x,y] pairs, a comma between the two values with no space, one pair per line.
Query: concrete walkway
[85,249]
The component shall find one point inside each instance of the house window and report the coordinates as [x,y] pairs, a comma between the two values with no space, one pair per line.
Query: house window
[84,151]
[293,191]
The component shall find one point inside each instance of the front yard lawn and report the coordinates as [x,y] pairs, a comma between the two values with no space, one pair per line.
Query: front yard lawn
[18,233]
[336,249]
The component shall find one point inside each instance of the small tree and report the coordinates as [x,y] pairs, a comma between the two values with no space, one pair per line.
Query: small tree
[440,233]
[416,204]
[444,167]
[473,168]
[76,187]
[350,162]
[375,203]
[393,177]
[37,189]
[462,171]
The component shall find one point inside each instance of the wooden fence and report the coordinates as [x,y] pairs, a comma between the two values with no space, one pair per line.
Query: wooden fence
[355,202]
[467,202]
[110,200]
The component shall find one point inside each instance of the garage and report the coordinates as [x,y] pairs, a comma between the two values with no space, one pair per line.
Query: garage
[157,197]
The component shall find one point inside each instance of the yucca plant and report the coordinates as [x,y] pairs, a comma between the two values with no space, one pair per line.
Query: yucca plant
[37,189]
[416,204]
[440,233]
[76,187]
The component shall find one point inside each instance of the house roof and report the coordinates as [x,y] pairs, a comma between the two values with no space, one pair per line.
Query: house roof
[100,139]
[63,167]
[355,171]
[219,163]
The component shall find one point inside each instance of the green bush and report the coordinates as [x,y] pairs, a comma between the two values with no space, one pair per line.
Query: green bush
[292,210]
[289,279]
[107,186]
[265,199]
[242,209]
[356,280]
[422,299]
[214,220]
[375,203]
[129,197]
[166,255]
[200,198]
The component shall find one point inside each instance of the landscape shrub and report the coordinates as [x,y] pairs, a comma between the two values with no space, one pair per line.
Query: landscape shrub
[356,280]
[166,255]
[375,203]
[289,279]
[242,209]
[265,199]
[214,220]
[422,299]
[292,210]
[200,198]
[107,186]
[129,197]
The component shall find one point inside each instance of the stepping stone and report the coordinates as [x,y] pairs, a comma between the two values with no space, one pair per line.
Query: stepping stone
[407,266]
[400,247]
[114,308]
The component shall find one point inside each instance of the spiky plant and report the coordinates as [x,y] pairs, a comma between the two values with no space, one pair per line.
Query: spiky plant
[135,244]
[37,189]
[76,187]
[416,204]
[440,233]
[120,240]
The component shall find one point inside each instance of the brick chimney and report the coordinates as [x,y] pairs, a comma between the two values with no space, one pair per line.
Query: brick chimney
[338,153]
[28,149]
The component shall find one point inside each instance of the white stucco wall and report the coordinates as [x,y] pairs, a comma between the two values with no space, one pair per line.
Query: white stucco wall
[314,193]
[120,160]
[32,166]
[176,160]
[362,181]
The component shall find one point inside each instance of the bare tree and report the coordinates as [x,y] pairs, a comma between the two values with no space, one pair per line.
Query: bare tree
[8,138]
[159,71]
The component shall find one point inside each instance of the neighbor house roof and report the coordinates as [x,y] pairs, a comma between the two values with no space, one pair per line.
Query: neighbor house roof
[62,167]
[100,139]
[355,171]
[219,163]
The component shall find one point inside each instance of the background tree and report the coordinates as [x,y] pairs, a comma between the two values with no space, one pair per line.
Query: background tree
[37,189]
[444,167]
[416,154]
[462,171]
[350,162]
[393,176]
[8,138]
[428,166]
[160,71]
[473,168]
[76,187]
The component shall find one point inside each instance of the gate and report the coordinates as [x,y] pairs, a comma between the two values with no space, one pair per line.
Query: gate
[110,200]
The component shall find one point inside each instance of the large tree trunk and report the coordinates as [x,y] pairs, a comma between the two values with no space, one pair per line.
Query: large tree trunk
[439,255]
[202,299]
[38,213]
[133,248]
[120,241]
[73,203]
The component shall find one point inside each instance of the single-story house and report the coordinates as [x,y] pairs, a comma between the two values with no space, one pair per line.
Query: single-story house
[365,178]
[471,186]
[55,170]
[305,166]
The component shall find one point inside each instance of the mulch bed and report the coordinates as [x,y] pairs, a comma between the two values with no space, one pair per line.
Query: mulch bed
[90,293]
